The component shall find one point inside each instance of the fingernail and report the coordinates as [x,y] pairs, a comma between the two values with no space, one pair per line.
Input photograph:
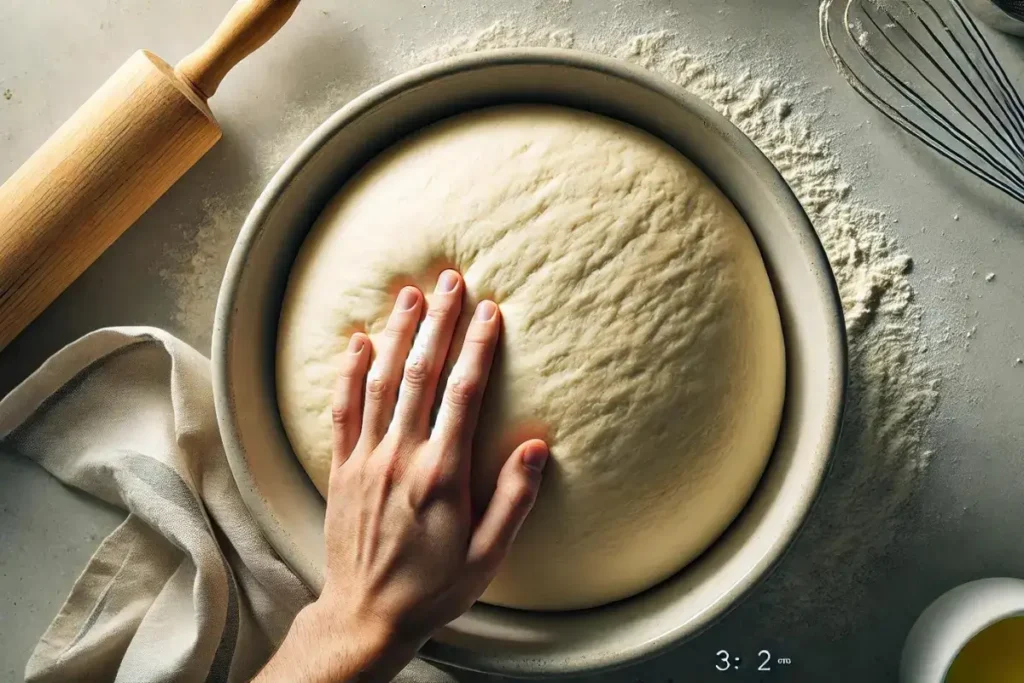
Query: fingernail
[407,299]
[355,344]
[485,311]
[447,282]
[535,457]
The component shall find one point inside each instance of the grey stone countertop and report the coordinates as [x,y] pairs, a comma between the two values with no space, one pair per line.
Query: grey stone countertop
[965,516]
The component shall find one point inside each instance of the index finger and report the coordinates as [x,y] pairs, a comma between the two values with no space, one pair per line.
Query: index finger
[460,406]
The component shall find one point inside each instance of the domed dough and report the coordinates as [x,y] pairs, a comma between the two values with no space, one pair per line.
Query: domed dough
[641,336]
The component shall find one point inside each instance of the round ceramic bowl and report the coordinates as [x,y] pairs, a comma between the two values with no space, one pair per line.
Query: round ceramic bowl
[287,506]
[949,623]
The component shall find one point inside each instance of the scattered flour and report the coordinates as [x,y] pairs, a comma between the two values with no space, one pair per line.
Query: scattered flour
[891,391]
[197,266]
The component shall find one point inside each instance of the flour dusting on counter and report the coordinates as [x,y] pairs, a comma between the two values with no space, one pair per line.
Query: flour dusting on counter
[197,268]
[892,389]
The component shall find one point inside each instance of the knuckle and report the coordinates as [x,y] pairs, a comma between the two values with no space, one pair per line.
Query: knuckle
[416,371]
[341,416]
[439,312]
[377,388]
[433,484]
[394,332]
[521,498]
[428,481]
[463,391]
[442,478]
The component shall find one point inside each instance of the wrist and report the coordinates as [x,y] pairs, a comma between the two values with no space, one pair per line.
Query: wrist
[348,647]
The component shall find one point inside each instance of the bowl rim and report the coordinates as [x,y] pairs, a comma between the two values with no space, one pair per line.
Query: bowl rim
[836,340]
[952,620]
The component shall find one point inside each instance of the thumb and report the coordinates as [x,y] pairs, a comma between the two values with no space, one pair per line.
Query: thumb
[514,495]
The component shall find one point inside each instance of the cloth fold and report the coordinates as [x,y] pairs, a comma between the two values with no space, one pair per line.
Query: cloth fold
[186,588]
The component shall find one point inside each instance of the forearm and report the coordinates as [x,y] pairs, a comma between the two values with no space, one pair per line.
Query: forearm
[321,648]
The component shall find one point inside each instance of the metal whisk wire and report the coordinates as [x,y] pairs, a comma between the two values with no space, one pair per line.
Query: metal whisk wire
[948,89]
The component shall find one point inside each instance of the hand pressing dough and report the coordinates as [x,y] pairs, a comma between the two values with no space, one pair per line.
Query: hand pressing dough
[641,337]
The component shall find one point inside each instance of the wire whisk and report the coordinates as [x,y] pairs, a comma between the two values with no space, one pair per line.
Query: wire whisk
[926,66]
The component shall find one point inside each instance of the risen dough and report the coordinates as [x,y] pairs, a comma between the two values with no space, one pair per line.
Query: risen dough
[641,336]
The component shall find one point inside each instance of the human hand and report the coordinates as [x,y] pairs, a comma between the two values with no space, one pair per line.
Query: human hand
[405,552]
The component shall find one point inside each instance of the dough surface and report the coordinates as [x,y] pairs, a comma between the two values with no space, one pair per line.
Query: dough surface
[641,336]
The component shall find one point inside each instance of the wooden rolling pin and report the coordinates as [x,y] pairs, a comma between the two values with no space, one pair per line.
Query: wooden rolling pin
[113,158]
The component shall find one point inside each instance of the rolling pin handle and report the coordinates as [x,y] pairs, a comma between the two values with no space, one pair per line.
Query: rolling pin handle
[248,24]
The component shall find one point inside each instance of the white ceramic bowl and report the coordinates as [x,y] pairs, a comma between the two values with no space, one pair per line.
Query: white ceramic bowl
[283,500]
[949,623]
